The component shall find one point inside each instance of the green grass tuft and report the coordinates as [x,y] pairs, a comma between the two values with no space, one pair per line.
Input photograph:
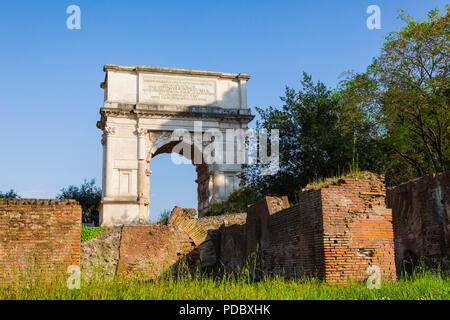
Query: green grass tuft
[88,233]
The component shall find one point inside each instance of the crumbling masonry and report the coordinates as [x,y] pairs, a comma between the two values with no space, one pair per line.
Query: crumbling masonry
[38,238]
[421,212]
[337,232]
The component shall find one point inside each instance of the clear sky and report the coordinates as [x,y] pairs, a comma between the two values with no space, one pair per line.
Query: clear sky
[50,75]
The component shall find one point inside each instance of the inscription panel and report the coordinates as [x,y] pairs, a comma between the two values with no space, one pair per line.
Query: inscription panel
[177,90]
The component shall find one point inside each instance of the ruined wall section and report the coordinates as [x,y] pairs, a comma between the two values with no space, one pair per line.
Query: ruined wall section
[233,248]
[185,219]
[151,250]
[148,251]
[100,255]
[337,232]
[295,245]
[357,230]
[38,238]
[215,222]
[242,245]
[421,217]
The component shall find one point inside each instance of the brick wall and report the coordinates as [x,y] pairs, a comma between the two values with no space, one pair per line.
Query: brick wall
[185,219]
[295,246]
[421,217]
[152,249]
[38,237]
[233,248]
[334,233]
[357,230]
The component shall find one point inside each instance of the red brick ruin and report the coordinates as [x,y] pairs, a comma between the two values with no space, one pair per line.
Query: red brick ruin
[38,237]
[335,232]
[421,212]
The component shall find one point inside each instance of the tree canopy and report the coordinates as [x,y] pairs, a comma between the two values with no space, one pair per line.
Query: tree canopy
[392,119]
[406,92]
[314,140]
[89,197]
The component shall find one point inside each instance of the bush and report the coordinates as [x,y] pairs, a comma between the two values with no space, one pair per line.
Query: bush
[164,217]
[89,197]
[11,194]
[88,233]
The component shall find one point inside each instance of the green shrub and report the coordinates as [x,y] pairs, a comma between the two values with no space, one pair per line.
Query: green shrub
[164,217]
[88,233]
[11,194]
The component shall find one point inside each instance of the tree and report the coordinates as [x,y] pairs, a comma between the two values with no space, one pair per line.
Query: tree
[11,194]
[316,140]
[406,91]
[392,119]
[89,197]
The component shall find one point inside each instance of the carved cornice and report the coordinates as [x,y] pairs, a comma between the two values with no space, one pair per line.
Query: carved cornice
[177,71]
[228,114]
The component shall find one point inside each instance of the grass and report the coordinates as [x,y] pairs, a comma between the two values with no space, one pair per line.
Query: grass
[88,233]
[336,180]
[420,286]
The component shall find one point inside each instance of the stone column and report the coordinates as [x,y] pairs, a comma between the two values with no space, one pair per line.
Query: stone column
[109,169]
[144,202]
[143,176]
[103,140]
[142,166]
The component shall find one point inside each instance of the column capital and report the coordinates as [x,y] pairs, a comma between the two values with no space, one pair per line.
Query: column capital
[109,130]
[141,132]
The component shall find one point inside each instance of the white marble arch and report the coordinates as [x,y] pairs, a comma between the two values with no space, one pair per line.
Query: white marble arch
[142,107]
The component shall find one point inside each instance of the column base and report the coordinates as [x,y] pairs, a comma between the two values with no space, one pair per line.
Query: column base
[115,213]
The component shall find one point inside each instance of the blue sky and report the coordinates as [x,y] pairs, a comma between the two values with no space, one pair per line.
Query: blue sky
[49,84]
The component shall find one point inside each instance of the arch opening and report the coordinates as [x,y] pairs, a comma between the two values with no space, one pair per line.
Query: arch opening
[182,186]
